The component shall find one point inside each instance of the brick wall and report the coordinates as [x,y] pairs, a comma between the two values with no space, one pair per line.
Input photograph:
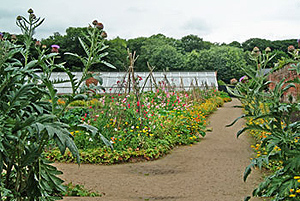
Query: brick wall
[285,73]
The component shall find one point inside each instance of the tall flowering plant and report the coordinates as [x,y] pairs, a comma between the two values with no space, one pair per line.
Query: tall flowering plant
[280,133]
[28,120]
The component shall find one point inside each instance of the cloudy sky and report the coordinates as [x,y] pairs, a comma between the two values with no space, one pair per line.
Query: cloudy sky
[212,20]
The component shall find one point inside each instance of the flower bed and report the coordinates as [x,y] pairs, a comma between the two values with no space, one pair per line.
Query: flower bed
[139,130]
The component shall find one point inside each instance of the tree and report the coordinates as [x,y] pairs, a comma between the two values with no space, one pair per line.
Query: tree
[235,44]
[193,42]
[146,47]
[117,53]
[227,61]
[192,61]
[262,44]
[166,57]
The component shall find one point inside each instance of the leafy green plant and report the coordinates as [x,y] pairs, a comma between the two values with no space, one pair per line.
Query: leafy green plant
[141,137]
[28,120]
[281,142]
[79,190]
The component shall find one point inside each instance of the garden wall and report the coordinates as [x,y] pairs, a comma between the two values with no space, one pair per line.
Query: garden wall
[285,73]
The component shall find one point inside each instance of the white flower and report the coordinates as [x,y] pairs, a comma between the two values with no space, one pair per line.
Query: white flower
[90,139]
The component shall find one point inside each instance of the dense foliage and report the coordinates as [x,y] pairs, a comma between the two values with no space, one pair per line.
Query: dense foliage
[276,127]
[139,129]
[30,111]
[190,53]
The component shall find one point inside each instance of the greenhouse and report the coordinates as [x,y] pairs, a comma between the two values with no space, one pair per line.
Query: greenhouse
[113,81]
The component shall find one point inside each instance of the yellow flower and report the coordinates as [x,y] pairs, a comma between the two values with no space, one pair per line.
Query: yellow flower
[137,126]
[292,195]
[296,177]
[76,131]
[292,190]
[72,133]
[298,191]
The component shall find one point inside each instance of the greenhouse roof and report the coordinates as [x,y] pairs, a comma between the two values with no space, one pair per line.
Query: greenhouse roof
[112,80]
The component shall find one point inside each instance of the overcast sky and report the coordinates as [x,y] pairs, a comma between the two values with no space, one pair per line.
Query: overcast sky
[212,20]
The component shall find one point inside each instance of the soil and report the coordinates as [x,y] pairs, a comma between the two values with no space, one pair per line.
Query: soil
[211,170]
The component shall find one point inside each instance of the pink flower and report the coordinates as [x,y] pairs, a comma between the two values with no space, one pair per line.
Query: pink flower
[243,79]
[54,48]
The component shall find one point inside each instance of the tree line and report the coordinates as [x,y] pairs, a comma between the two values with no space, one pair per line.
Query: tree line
[190,53]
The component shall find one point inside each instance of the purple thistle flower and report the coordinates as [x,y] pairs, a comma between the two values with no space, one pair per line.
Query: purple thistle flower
[55,46]
[243,78]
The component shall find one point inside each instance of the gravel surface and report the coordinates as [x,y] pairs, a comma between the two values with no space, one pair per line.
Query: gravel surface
[211,170]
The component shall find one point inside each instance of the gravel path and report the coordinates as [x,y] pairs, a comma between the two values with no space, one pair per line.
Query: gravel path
[211,170]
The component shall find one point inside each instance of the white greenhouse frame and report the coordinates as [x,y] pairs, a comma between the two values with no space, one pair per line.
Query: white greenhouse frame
[178,80]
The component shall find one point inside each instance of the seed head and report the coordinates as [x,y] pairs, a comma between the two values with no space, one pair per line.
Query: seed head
[37,43]
[291,48]
[99,26]
[30,11]
[255,49]
[104,34]
[13,37]
[19,18]
[95,22]
[268,49]
[32,16]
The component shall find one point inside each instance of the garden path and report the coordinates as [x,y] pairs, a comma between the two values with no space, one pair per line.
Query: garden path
[211,170]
